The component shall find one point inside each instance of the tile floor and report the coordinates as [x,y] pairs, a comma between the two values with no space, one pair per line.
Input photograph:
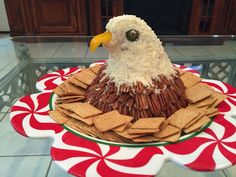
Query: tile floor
[20,156]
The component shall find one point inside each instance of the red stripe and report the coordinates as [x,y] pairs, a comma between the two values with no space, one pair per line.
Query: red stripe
[63,154]
[17,123]
[72,139]
[204,161]
[142,158]
[188,146]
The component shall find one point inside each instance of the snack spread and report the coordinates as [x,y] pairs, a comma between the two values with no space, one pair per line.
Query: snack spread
[138,95]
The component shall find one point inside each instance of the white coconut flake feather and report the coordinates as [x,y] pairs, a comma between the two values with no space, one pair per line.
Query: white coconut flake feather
[141,60]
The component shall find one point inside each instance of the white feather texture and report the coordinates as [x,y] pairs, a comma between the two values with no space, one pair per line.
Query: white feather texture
[141,60]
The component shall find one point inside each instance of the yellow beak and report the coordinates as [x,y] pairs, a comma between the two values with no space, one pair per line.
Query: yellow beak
[103,38]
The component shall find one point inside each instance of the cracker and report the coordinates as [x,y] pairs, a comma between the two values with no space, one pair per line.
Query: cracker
[208,86]
[219,97]
[58,90]
[148,123]
[111,136]
[95,68]
[71,123]
[190,79]
[125,134]
[197,93]
[204,120]
[172,138]
[86,76]
[78,83]
[70,114]
[110,120]
[63,110]
[71,89]
[195,120]
[204,102]
[164,124]
[69,97]
[86,129]
[58,117]
[65,106]
[84,110]
[71,100]
[168,131]
[211,111]
[63,87]
[121,128]
[145,139]
[200,110]
[182,117]
[213,114]
[88,121]
[123,138]
[93,131]
[142,131]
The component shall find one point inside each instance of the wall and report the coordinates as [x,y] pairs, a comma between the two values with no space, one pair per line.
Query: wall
[4,26]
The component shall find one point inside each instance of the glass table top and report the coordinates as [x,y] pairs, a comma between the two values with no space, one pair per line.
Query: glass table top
[25,59]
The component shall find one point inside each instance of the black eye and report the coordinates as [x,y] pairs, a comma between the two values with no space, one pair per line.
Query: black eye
[132,35]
